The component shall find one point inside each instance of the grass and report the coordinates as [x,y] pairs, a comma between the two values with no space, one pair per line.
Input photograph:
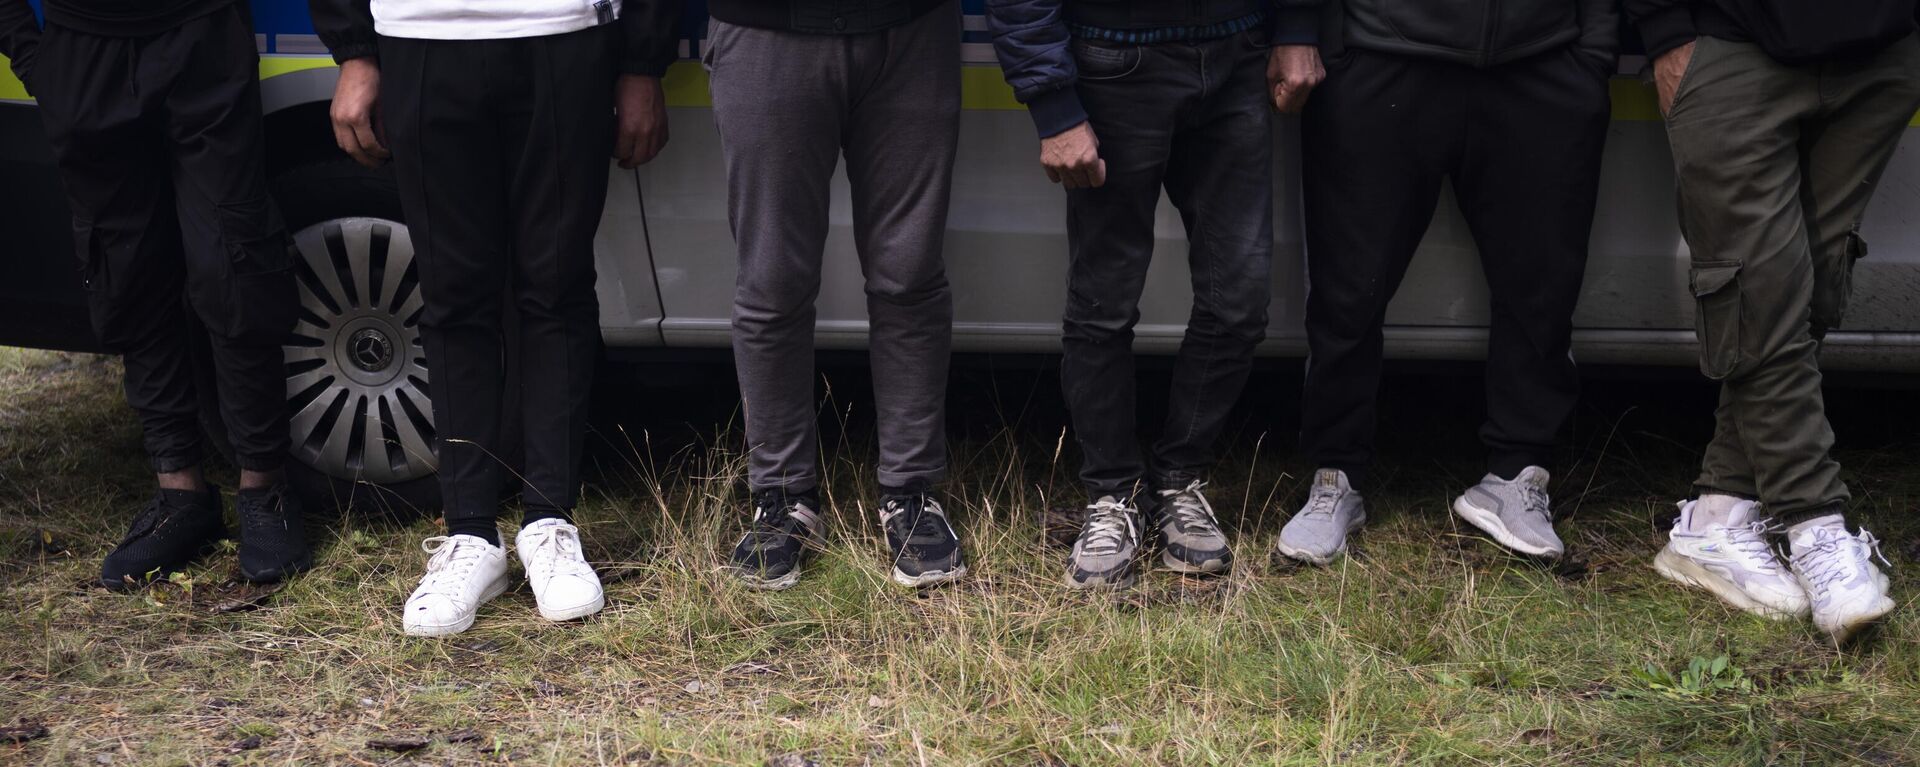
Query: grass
[1428,646]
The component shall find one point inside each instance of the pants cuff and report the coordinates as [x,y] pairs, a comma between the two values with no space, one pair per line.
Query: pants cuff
[912,479]
[167,464]
[1700,489]
[1507,464]
[261,463]
[1793,517]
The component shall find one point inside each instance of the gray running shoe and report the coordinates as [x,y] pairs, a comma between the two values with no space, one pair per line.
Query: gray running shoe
[1108,545]
[1190,536]
[1318,534]
[1515,512]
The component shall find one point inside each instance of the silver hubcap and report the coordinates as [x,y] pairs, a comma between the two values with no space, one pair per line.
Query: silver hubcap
[356,372]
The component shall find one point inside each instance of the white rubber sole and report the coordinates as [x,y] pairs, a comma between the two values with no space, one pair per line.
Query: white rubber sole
[1490,523]
[494,589]
[781,583]
[1210,567]
[926,579]
[1679,569]
[573,613]
[1302,555]
[1857,622]
[1125,581]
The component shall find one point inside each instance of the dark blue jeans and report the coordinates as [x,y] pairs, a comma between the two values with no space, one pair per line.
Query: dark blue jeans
[1192,118]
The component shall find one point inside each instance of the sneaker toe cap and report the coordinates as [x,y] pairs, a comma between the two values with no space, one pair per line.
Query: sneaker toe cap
[569,592]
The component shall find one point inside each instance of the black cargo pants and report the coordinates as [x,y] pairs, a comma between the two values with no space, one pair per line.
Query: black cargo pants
[160,144]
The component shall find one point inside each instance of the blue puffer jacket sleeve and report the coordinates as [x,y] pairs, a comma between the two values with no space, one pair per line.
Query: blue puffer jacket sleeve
[1030,37]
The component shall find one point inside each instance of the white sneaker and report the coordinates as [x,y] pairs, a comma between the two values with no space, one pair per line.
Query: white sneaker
[463,573]
[1836,568]
[564,585]
[1734,560]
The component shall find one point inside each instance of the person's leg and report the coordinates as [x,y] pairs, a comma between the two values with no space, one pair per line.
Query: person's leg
[780,101]
[1220,177]
[439,101]
[1527,184]
[900,141]
[1374,149]
[239,267]
[557,136]
[112,160]
[1109,247]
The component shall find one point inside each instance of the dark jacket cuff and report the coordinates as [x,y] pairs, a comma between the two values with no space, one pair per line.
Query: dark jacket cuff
[1666,29]
[1056,110]
[358,49]
[1295,26]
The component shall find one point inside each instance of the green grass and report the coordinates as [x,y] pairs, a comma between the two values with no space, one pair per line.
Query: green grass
[1426,647]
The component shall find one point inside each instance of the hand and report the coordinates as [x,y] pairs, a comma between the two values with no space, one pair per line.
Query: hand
[641,116]
[356,106]
[1667,71]
[1292,73]
[1072,158]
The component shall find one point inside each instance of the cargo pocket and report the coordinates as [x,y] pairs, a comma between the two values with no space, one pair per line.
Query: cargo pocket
[95,278]
[1833,283]
[261,300]
[1716,288]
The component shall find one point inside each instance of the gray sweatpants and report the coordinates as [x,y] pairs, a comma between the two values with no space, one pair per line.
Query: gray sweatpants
[1775,165]
[787,105]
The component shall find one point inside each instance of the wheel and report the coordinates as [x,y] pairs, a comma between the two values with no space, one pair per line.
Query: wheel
[359,412]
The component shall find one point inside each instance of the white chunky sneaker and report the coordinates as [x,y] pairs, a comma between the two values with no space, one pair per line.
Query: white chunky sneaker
[1318,533]
[1836,568]
[1731,557]
[564,585]
[1515,512]
[463,573]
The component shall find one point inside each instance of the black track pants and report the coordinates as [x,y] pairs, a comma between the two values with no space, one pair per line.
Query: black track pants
[159,141]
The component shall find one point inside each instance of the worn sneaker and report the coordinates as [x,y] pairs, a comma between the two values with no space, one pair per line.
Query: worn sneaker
[1190,537]
[1734,560]
[564,585]
[463,573]
[1109,544]
[925,549]
[1318,533]
[273,534]
[1515,512]
[175,528]
[1836,568]
[784,529]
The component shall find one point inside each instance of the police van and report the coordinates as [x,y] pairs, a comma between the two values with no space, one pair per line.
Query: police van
[666,262]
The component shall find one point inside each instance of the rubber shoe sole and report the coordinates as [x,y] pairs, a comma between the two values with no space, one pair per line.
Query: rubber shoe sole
[494,589]
[1123,579]
[1216,566]
[1686,572]
[573,613]
[758,583]
[1854,624]
[929,578]
[1489,523]
[1301,555]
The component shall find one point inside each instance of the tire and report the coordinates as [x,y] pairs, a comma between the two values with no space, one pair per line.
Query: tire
[359,411]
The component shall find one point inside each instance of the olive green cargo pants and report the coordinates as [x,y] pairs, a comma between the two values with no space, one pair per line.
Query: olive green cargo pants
[1775,165]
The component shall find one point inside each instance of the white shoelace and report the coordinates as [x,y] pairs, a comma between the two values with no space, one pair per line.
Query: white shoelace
[1750,542]
[1537,500]
[556,552]
[1109,527]
[1190,508]
[452,562]
[1833,556]
[1322,502]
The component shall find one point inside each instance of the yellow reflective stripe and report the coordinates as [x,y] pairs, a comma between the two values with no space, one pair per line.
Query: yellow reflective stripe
[981,87]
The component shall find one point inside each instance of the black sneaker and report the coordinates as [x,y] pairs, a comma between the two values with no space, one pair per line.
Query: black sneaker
[785,527]
[925,549]
[273,535]
[1191,541]
[1105,556]
[175,528]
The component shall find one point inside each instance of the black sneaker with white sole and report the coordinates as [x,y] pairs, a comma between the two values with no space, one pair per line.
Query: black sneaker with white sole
[175,528]
[785,529]
[273,534]
[1191,541]
[1106,554]
[924,547]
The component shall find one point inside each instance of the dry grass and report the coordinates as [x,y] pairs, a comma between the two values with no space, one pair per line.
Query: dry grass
[1427,647]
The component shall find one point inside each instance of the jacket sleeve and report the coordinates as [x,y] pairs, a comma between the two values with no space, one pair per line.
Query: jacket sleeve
[649,36]
[1296,22]
[19,36]
[1663,24]
[1600,29]
[346,27]
[1030,37]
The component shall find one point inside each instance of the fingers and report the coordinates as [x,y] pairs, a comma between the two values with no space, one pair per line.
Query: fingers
[370,143]
[355,136]
[1097,175]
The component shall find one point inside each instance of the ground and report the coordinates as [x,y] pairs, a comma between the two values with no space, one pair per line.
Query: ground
[1426,646]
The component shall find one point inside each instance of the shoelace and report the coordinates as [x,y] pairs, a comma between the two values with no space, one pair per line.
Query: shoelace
[267,513]
[450,564]
[1751,542]
[926,523]
[1321,503]
[773,519]
[559,546]
[148,519]
[1833,556]
[1108,528]
[1191,509]
[1536,499]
